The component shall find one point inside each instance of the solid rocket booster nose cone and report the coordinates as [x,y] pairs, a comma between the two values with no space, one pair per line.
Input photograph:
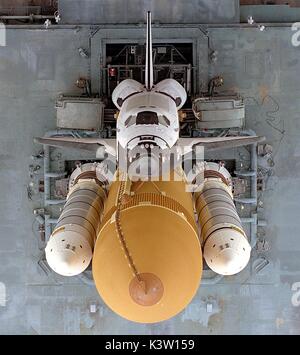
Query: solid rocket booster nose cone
[147,290]
[227,252]
[228,262]
[228,256]
[68,254]
[65,262]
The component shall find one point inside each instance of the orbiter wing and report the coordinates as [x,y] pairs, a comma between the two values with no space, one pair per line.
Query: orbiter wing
[89,144]
[216,143]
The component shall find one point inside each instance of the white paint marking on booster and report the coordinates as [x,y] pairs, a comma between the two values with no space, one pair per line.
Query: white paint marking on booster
[296,295]
[2,35]
[296,35]
[2,295]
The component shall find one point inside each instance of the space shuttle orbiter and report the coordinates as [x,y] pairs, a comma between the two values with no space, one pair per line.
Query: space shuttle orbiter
[140,229]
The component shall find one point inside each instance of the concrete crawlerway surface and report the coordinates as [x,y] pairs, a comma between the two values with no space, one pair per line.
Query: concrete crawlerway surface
[35,66]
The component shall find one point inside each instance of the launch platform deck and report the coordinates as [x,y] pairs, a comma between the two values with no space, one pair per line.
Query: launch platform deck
[35,66]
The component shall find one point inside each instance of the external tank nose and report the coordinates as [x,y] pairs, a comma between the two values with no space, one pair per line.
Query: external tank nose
[151,271]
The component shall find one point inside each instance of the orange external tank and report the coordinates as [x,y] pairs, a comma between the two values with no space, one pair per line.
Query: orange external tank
[147,262]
